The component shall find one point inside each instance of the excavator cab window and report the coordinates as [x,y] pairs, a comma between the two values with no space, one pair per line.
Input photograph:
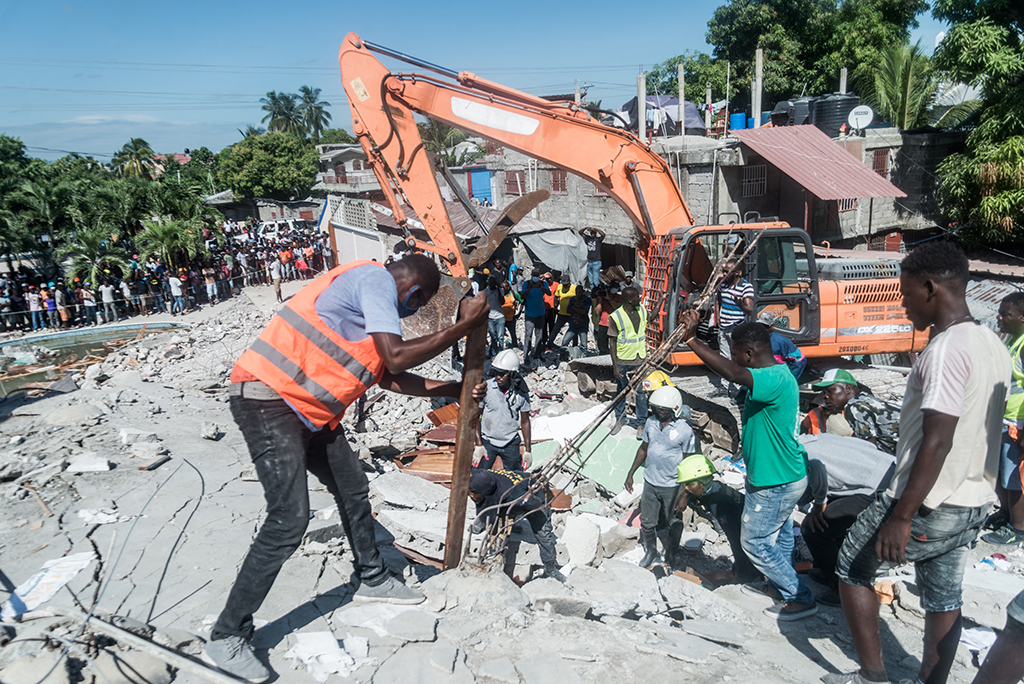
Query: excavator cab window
[784,283]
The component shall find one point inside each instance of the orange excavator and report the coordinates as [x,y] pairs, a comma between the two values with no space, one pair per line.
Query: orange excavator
[827,308]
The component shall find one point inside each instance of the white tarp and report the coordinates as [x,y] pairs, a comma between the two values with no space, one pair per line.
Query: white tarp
[40,587]
[559,250]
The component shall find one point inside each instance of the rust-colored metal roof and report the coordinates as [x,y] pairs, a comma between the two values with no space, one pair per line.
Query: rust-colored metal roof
[813,160]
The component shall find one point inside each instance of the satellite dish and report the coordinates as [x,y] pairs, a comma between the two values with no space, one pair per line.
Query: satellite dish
[861,117]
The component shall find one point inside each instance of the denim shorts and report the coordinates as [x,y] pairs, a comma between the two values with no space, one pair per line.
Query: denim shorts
[1009,462]
[939,541]
[1016,608]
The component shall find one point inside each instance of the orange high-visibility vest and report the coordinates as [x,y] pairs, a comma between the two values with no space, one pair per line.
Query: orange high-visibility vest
[814,423]
[315,369]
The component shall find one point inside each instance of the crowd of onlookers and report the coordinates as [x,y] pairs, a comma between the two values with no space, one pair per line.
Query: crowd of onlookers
[31,302]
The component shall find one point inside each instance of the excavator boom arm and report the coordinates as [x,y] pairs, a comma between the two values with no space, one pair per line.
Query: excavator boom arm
[383,104]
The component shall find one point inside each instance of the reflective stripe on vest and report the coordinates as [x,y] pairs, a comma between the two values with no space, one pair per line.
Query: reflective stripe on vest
[1015,398]
[315,369]
[631,343]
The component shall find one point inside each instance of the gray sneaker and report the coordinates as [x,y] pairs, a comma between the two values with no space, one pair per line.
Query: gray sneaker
[234,655]
[389,591]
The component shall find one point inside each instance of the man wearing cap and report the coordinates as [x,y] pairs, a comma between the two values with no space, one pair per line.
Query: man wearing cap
[782,347]
[870,419]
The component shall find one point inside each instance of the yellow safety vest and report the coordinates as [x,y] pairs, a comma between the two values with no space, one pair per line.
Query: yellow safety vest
[631,342]
[1015,399]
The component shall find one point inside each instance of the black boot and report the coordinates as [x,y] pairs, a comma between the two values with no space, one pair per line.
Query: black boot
[551,570]
[650,539]
[672,555]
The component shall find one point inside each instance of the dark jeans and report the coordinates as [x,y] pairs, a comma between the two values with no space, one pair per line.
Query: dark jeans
[283,449]
[510,326]
[543,533]
[641,395]
[726,505]
[840,514]
[511,459]
[560,322]
[601,334]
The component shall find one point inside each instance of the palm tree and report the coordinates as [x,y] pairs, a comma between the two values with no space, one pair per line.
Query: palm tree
[440,138]
[123,203]
[168,239]
[313,111]
[135,159]
[251,131]
[282,114]
[901,86]
[91,250]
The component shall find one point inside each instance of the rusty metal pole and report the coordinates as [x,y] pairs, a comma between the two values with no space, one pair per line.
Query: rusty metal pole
[465,438]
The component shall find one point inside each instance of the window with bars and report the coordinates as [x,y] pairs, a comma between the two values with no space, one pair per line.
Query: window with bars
[755,180]
[847,204]
[599,191]
[515,183]
[559,182]
[880,162]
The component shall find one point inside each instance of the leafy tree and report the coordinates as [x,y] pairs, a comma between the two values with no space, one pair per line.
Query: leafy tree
[92,250]
[135,158]
[282,113]
[251,130]
[272,165]
[900,87]
[982,189]
[698,69]
[313,111]
[171,240]
[440,138]
[123,203]
[337,136]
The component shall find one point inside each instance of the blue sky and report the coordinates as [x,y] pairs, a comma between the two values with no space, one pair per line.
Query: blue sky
[87,76]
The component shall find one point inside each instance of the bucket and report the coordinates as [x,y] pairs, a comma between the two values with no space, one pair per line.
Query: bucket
[750,123]
[737,121]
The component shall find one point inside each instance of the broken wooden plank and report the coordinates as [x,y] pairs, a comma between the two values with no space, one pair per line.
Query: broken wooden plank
[444,415]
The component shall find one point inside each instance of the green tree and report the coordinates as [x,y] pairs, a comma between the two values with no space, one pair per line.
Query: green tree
[91,248]
[282,113]
[698,69]
[273,165]
[440,138]
[900,87]
[337,136]
[135,158]
[313,112]
[123,203]
[982,189]
[172,240]
[251,130]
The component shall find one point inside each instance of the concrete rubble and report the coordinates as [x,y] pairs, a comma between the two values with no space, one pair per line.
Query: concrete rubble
[194,517]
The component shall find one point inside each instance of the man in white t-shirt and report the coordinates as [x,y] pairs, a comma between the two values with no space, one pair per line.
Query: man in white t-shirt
[946,464]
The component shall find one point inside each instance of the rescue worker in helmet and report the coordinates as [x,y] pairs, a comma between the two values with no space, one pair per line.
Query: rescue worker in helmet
[715,501]
[505,412]
[666,440]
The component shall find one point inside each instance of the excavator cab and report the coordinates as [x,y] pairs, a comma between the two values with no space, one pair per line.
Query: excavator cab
[780,268]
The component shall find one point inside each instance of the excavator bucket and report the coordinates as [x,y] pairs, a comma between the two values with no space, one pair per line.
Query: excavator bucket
[439,312]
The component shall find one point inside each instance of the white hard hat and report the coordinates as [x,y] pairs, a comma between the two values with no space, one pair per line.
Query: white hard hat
[667,397]
[506,360]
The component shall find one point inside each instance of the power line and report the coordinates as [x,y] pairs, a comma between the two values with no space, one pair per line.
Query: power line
[80,154]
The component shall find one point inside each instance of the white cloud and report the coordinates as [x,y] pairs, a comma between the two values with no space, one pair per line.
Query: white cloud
[96,119]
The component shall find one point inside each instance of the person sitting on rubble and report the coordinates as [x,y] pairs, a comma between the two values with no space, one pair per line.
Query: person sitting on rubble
[505,411]
[870,419]
[506,493]
[842,480]
[667,439]
[782,347]
[715,500]
[776,462]
[338,337]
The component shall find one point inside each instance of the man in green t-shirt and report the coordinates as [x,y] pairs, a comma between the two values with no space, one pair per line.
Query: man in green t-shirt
[776,462]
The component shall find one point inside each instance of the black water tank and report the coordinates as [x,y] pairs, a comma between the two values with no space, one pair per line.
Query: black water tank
[832,111]
[795,112]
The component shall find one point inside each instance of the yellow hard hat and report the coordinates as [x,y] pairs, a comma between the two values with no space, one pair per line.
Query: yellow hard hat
[695,467]
[657,379]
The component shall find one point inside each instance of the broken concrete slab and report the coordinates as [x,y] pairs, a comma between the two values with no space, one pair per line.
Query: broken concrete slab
[372,616]
[131,667]
[131,436]
[210,430]
[411,665]
[696,602]
[499,670]
[681,646]
[29,668]
[444,656]
[88,462]
[618,588]
[478,590]
[148,450]
[618,539]
[407,491]
[582,539]
[550,595]
[547,668]
[412,625]
[75,414]
[731,633]
[459,627]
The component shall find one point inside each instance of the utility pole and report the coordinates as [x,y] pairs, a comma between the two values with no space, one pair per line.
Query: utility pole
[577,95]
[842,80]
[728,79]
[758,76]
[707,111]
[641,106]
[682,98]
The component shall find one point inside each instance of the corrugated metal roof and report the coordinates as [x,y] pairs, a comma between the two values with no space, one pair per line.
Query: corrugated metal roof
[983,297]
[809,157]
